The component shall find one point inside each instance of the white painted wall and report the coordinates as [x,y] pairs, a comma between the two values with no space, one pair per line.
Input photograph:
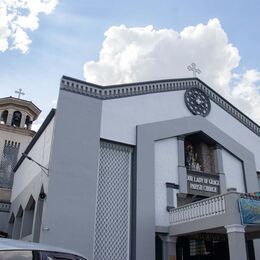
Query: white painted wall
[69,210]
[166,170]
[28,170]
[121,116]
[236,130]
[233,171]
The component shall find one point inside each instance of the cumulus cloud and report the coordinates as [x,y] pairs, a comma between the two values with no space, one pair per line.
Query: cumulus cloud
[144,53]
[17,17]
[246,93]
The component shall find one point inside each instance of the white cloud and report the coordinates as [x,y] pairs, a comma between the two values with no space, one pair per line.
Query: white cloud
[246,93]
[37,124]
[17,17]
[54,102]
[144,53]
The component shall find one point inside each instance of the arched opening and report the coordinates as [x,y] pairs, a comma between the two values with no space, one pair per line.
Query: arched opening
[28,122]
[18,224]
[16,120]
[28,218]
[4,117]
[38,217]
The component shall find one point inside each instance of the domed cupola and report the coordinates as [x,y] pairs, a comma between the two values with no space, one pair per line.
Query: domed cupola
[17,113]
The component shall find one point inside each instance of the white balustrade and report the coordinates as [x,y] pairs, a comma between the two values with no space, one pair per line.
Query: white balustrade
[198,210]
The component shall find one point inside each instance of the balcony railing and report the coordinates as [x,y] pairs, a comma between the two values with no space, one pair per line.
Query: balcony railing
[198,210]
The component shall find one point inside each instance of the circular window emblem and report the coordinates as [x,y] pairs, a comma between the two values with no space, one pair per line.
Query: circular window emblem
[197,102]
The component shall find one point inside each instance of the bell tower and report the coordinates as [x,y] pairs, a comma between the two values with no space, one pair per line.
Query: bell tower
[16,119]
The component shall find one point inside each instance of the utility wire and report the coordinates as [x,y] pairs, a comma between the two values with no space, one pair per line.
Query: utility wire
[44,169]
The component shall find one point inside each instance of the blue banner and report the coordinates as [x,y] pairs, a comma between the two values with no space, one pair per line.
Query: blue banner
[249,211]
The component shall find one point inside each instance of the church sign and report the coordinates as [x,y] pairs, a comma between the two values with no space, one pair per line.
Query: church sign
[203,184]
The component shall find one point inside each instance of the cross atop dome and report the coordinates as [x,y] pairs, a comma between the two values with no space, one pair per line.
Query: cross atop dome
[19,92]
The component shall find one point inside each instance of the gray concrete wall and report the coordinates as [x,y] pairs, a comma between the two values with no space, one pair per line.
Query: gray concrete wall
[145,197]
[69,214]
[4,216]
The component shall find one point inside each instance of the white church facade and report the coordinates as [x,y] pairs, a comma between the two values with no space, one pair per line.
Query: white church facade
[152,170]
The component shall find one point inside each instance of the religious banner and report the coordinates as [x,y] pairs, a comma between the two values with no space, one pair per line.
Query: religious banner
[249,211]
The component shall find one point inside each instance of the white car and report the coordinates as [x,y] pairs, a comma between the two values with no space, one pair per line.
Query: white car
[11,249]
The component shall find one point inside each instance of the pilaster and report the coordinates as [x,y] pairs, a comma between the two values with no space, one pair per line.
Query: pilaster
[9,117]
[169,247]
[181,165]
[22,123]
[220,168]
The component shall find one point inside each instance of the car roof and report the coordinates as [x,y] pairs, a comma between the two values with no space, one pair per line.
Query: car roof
[12,244]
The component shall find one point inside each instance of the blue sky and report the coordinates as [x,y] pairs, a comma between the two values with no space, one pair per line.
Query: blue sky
[73,34]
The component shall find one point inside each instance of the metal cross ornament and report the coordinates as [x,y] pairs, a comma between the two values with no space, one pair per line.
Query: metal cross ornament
[194,69]
[19,92]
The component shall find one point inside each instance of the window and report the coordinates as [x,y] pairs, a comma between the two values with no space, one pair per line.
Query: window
[27,254]
[4,117]
[60,256]
[14,255]
[16,121]
[28,122]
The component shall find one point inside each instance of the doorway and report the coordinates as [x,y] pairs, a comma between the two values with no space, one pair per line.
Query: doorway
[203,247]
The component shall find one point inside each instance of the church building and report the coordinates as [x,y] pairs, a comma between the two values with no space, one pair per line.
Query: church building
[155,170]
[16,118]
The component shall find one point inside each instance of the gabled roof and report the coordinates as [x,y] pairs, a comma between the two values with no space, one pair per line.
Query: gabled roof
[149,87]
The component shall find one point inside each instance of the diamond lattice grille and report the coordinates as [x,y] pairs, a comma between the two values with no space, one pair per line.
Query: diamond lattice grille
[113,202]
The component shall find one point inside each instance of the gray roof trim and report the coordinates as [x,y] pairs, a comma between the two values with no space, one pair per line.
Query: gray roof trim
[149,87]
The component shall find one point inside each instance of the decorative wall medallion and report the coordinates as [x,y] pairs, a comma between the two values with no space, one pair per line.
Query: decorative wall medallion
[197,102]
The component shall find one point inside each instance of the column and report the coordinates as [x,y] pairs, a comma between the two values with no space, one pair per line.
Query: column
[236,242]
[17,228]
[181,165]
[23,120]
[37,225]
[169,247]
[9,117]
[219,168]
